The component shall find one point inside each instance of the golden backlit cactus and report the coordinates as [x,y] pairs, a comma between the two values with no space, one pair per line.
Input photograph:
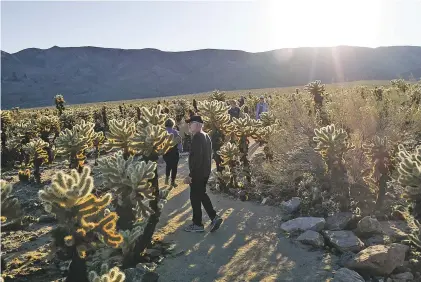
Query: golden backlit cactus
[48,125]
[230,156]
[78,211]
[59,101]
[153,116]
[73,143]
[24,175]
[107,275]
[332,145]
[246,126]
[409,170]
[153,140]
[97,141]
[229,153]
[218,96]
[263,137]
[10,206]
[120,136]
[268,119]
[215,116]
[37,153]
[129,179]
[378,174]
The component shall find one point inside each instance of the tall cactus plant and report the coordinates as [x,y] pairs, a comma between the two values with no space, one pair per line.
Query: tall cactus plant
[227,178]
[82,218]
[332,145]
[59,101]
[36,150]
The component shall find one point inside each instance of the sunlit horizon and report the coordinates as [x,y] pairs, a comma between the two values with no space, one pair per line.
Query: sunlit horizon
[252,26]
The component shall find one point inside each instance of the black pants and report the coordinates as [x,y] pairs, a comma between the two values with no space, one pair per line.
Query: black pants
[199,197]
[171,159]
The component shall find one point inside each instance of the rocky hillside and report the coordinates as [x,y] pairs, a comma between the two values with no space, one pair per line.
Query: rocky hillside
[32,76]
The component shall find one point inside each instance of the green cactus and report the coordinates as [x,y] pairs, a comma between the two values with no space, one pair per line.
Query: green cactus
[23,132]
[332,145]
[10,206]
[229,154]
[129,179]
[120,136]
[217,124]
[59,101]
[263,136]
[107,275]
[378,174]
[317,89]
[24,175]
[268,119]
[5,122]
[153,141]
[218,96]
[73,143]
[98,141]
[80,216]
[38,155]
[68,119]
[49,130]
[409,170]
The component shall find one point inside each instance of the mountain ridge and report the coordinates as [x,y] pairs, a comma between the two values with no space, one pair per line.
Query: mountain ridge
[31,77]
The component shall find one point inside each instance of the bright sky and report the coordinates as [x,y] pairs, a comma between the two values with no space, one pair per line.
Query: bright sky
[252,26]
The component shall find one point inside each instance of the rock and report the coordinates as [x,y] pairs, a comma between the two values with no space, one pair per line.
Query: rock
[369,225]
[347,275]
[345,258]
[312,238]
[338,221]
[379,259]
[150,277]
[154,253]
[292,205]
[402,277]
[134,274]
[46,218]
[395,229]
[301,224]
[344,240]
[377,240]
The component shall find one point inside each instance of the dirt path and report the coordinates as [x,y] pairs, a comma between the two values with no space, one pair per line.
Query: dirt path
[247,247]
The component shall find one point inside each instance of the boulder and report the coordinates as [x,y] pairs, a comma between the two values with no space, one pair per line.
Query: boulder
[377,239]
[347,275]
[344,241]
[403,277]
[338,221]
[395,229]
[292,205]
[369,225]
[379,259]
[312,238]
[301,224]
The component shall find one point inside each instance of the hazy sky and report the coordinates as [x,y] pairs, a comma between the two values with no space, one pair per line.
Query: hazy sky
[187,25]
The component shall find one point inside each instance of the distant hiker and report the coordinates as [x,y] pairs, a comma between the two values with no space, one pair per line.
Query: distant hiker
[200,161]
[261,107]
[195,105]
[241,101]
[234,112]
[172,157]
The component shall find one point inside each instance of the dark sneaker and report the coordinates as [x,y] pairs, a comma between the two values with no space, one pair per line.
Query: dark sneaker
[194,228]
[173,184]
[216,222]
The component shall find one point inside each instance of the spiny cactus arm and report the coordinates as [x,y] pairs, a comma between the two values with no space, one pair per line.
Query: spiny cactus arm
[106,275]
[130,237]
[10,207]
[152,117]
[106,227]
[410,169]
[153,139]
[36,149]
[121,132]
[92,206]
[228,152]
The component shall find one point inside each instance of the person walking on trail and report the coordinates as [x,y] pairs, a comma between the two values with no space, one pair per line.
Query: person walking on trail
[200,160]
[234,112]
[261,107]
[172,156]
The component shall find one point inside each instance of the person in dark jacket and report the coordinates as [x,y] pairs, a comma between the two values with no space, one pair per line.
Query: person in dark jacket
[172,157]
[234,111]
[200,161]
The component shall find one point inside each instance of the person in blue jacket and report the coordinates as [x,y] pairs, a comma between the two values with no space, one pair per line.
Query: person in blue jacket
[261,107]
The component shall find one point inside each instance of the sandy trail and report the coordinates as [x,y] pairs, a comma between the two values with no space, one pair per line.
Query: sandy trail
[247,247]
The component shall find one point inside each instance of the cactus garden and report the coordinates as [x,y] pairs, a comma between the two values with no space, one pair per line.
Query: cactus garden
[326,183]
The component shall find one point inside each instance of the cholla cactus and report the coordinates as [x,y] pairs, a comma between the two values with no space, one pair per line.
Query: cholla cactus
[152,117]
[180,108]
[98,140]
[49,129]
[73,143]
[129,179]
[332,145]
[153,141]
[36,150]
[21,133]
[120,136]
[59,101]
[80,215]
[317,89]
[218,96]
[5,122]
[229,154]
[378,175]
[130,237]
[245,128]
[268,119]
[68,119]
[263,136]
[24,175]
[107,275]
[401,85]
[217,124]
[10,207]
[409,170]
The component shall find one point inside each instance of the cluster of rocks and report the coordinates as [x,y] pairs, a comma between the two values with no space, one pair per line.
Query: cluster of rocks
[368,248]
